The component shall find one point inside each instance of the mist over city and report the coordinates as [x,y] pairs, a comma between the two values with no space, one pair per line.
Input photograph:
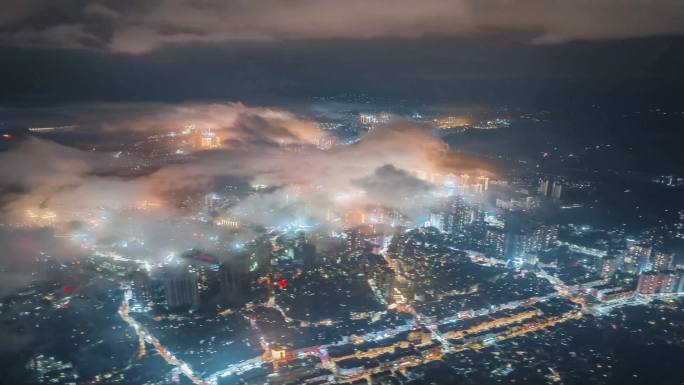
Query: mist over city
[324,192]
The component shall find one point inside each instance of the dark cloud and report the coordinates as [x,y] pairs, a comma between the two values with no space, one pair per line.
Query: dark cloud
[497,70]
[131,27]
[392,185]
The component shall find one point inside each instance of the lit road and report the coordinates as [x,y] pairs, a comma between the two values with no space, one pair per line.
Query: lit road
[169,357]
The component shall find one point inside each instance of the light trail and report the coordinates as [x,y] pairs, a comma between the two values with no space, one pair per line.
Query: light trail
[169,357]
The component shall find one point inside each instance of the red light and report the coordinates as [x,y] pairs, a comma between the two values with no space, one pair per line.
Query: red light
[7,137]
[282,283]
[207,258]
[68,289]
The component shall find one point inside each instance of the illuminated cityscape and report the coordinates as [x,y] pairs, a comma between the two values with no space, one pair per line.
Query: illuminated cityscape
[219,193]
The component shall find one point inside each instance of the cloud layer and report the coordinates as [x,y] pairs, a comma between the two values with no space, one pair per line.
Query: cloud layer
[263,145]
[134,27]
[149,207]
[235,123]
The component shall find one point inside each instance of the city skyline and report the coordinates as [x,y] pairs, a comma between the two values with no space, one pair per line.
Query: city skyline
[323,192]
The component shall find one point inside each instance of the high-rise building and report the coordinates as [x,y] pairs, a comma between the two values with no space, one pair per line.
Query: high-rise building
[140,285]
[233,279]
[495,242]
[205,267]
[437,220]
[368,119]
[607,266]
[484,181]
[230,278]
[649,283]
[543,188]
[487,239]
[661,261]
[667,281]
[534,240]
[458,214]
[262,255]
[678,284]
[304,251]
[652,282]
[638,255]
[180,287]
[355,239]
[556,190]
[547,235]
[207,279]
[549,189]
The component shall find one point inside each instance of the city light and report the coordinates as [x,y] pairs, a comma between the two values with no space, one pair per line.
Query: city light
[330,192]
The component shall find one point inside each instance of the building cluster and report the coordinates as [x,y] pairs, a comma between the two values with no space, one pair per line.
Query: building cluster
[656,273]
[449,122]
[508,235]
[615,270]
[200,281]
[46,370]
[653,282]
[527,203]
[195,281]
[370,120]
[550,189]
[209,140]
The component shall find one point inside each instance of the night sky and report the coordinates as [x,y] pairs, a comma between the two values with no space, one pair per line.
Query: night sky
[535,53]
